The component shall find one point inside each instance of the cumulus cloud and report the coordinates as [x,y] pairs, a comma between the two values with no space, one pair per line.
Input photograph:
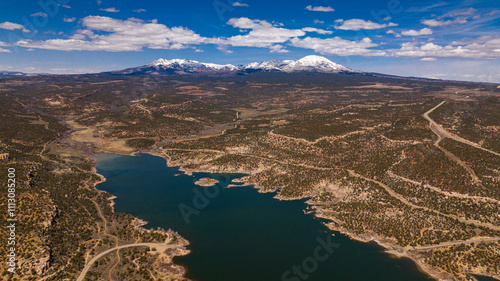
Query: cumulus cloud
[110,10]
[121,35]
[65,19]
[2,50]
[489,49]
[393,32]
[100,33]
[239,4]
[428,59]
[434,22]
[261,34]
[319,22]
[358,24]
[13,26]
[338,46]
[139,10]
[317,30]
[411,32]
[319,8]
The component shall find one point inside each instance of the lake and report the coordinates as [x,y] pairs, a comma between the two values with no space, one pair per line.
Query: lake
[238,234]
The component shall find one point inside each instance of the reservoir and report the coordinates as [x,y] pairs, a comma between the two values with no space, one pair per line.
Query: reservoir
[238,234]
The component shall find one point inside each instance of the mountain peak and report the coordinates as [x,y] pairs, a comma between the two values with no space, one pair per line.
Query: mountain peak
[310,63]
[316,63]
[314,58]
[164,62]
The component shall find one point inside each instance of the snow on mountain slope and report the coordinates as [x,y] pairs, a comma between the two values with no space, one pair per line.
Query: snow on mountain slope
[268,65]
[180,66]
[314,63]
[192,65]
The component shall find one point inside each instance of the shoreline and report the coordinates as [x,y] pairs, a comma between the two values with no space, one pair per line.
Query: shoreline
[389,248]
[138,223]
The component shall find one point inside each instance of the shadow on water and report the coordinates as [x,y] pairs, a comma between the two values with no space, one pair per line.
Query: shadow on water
[240,234]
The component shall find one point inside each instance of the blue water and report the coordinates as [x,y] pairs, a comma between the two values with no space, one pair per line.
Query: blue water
[238,234]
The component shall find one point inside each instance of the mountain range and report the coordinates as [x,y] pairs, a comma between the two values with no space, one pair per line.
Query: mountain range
[5,74]
[184,66]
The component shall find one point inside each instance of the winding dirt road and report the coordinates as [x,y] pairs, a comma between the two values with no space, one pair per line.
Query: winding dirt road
[94,259]
[442,133]
[399,197]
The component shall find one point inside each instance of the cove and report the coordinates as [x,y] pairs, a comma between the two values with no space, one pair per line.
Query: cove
[239,234]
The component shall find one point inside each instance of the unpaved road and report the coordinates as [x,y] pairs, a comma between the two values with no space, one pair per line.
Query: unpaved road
[442,133]
[93,260]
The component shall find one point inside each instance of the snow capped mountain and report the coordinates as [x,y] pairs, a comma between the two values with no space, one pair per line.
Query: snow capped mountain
[268,65]
[5,74]
[190,65]
[314,63]
[183,66]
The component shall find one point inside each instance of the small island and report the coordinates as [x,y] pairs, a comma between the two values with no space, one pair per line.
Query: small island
[206,182]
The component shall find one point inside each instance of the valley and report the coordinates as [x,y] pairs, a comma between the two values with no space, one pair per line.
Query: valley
[381,158]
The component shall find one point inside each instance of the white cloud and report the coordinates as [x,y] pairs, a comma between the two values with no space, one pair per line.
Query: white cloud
[434,22]
[411,32]
[110,10]
[13,26]
[319,8]
[121,35]
[65,19]
[278,49]
[319,22]
[262,33]
[40,14]
[139,10]
[239,4]
[338,46]
[489,49]
[393,32]
[358,24]
[66,6]
[2,50]
[100,33]
[317,30]
[428,59]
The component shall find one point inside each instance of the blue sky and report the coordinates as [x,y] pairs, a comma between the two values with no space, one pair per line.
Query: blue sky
[449,39]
